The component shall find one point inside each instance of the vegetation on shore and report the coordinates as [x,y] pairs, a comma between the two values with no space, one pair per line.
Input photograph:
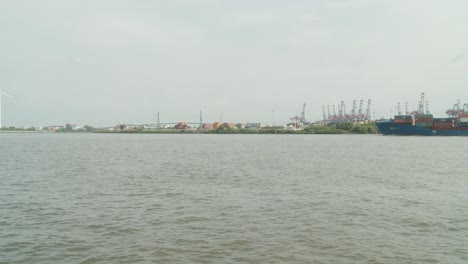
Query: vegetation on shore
[48,130]
[342,128]
[18,129]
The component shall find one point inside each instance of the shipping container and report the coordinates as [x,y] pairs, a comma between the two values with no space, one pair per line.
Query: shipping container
[444,120]
[463,115]
[403,121]
[463,119]
[463,124]
[425,116]
[429,124]
[408,117]
[424,120]
[443,126]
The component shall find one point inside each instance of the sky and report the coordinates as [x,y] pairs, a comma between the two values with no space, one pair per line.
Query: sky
[108,62]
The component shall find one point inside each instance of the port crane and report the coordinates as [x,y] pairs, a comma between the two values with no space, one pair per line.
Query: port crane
[368,115]
[457,109]
[300,118]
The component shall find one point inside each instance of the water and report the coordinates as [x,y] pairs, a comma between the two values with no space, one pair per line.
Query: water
[104,198]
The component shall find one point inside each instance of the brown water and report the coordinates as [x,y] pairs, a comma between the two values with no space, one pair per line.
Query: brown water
[94,198]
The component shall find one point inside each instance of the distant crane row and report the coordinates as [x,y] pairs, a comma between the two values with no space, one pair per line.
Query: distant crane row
[343,116]
[423,108]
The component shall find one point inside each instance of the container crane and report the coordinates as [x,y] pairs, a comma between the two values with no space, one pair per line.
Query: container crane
[360,111]
[342,109]
[353,111]
[303,114]
[421,105]
[368,116]
[455,110]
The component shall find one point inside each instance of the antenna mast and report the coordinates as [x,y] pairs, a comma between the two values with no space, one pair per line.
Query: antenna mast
[158,122]
[303,114]
[324,114]
[201,119]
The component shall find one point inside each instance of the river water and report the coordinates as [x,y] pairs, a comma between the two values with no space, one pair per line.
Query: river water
[112,198]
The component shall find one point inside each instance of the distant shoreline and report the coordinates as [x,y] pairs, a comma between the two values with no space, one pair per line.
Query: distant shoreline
[186,133]
[338,129]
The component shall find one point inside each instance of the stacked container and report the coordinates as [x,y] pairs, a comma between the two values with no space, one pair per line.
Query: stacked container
[424,120]
[463,119]
[444,123]
[403,119]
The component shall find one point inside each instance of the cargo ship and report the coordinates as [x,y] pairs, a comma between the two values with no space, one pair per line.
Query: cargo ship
[422,123]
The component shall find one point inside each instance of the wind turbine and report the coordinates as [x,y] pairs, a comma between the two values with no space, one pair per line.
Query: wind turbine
[1,95]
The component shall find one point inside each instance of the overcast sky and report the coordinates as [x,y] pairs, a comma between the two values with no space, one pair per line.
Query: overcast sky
[104,62]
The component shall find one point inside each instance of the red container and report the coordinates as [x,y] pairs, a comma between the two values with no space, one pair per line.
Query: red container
[444,125]
[403,121]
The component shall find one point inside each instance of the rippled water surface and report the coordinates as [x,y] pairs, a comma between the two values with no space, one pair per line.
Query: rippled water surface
[103,198]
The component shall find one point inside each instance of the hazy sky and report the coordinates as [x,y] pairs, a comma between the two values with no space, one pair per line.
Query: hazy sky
[104,62]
